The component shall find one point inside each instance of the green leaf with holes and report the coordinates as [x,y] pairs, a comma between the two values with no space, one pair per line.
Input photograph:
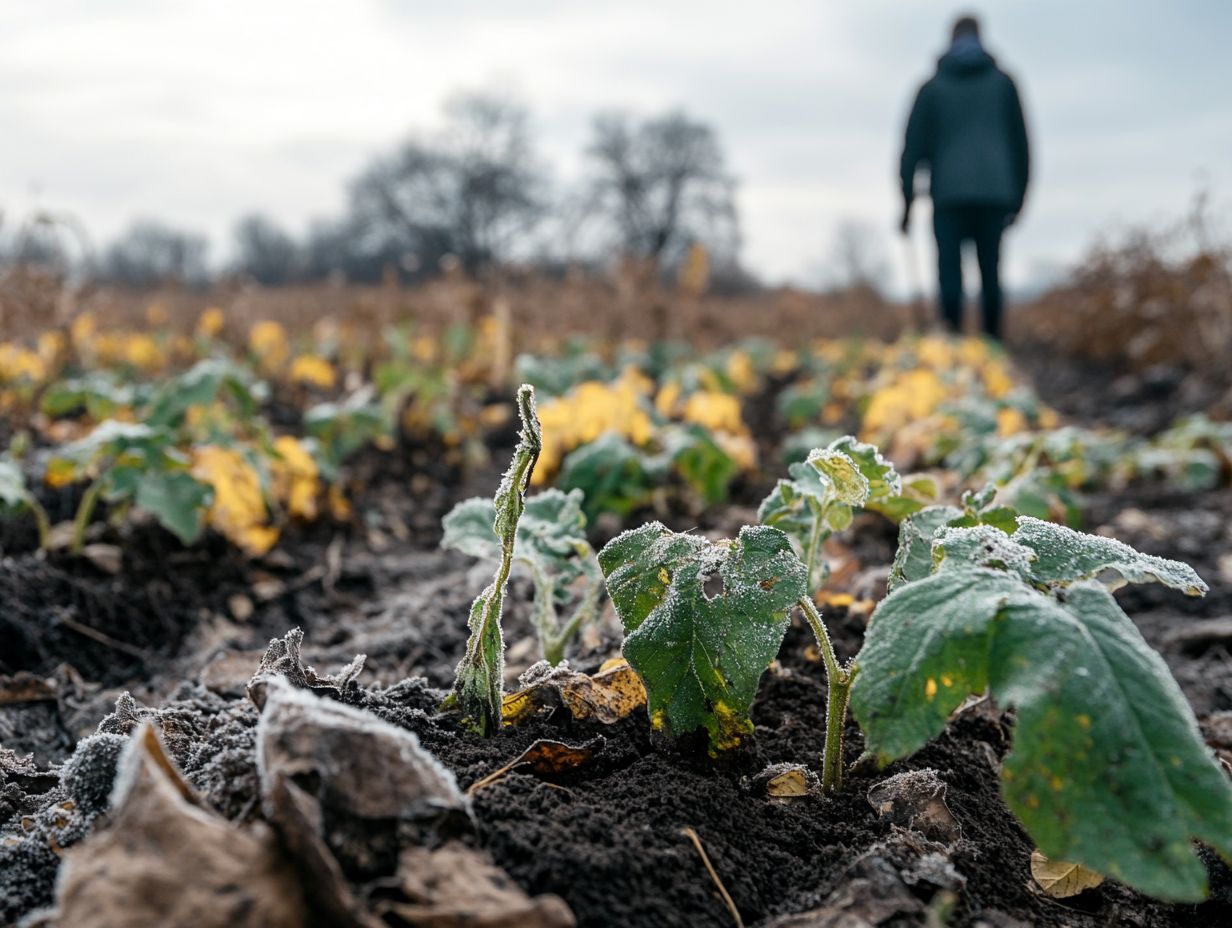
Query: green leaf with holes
[702,621]
[1108,768]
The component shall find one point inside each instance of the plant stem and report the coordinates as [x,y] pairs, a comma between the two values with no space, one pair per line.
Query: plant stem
[41,520]
[810,555]
[555,643]
[838,686]
[85,511]
[836,717]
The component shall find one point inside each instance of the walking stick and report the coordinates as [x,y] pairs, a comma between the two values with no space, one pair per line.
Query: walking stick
[918,319]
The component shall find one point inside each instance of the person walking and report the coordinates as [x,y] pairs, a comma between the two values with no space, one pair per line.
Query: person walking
[967,127]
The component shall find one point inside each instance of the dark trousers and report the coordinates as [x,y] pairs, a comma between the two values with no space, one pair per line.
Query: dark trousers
[982,225]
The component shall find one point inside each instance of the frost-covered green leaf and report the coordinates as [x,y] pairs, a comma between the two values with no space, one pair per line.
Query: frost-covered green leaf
[1063,555]
[914,558]
[479,684]
[12,485]
[982,546]
[206,382]
[551,542]
[702,621]
[1108,768]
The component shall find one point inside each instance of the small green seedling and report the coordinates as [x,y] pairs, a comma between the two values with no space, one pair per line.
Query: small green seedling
[702,621]
[15,496]
[478,687]
[551,543]
[822,494]
[1108,768]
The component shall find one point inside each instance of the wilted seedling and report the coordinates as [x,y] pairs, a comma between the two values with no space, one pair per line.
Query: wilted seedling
[551,543]
[479,684]
[1108,769]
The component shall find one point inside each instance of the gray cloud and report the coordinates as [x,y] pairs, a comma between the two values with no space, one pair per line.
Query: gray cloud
[199,112]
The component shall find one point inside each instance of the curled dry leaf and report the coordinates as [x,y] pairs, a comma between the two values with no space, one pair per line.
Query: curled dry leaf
[1061,879]
[164,860]
[362,766]
[608,696]
[283,660]
[457,887]
[545,758]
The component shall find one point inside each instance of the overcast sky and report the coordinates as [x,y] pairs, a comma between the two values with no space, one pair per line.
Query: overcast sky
[196,112]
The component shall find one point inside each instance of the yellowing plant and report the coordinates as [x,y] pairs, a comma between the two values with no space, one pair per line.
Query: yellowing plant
[592,409]
[296,478]
[210,323]
[719,412]
[314,370]
[238,509]
[19,363]
[268,341]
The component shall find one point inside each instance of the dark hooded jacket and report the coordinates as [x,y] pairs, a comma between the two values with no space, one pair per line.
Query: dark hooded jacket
[967,126]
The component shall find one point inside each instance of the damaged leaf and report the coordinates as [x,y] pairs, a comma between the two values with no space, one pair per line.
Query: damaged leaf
[821,493]
[703,621]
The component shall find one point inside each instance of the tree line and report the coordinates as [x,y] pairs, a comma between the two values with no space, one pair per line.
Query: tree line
[475,194]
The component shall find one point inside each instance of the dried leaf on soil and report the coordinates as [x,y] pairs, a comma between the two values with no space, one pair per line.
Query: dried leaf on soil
[545,758]
[1061,879]
[362,765]
[785,781]
[163,860]
[611,694]
[457,887]
[915,799]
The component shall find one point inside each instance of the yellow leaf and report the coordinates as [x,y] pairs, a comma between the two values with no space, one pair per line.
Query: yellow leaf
[314,370]
[60,473]
[238,510]
[295,478]
[210,322]
[1061,879]
[268,341]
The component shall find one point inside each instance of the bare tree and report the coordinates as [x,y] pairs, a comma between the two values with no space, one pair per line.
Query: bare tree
[857,258]
[150,253]
[470,190]
[265,252]
[663,185]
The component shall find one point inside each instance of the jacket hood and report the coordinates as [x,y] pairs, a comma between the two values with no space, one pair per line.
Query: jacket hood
[965,56]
